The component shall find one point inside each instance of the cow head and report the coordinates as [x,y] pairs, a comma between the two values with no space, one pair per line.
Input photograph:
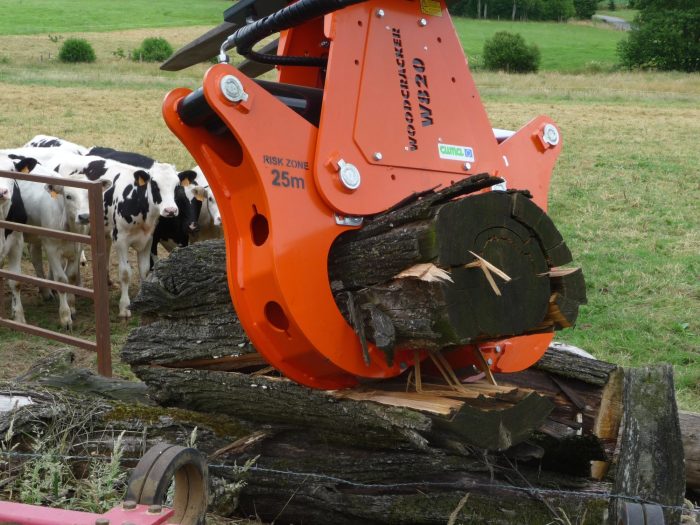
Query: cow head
[206,196]
[13,163]
[75,200]
[164,182]
[188,205]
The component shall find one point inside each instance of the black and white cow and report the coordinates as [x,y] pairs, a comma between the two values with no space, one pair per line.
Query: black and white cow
[209,220]
[133,205]
[12,242]
[62,208]
[47,141]
[174,231]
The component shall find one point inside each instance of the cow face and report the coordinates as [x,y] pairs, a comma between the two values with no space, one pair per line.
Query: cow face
[213,208]
[164,182]
[188,205]
[75,200]
[206,197]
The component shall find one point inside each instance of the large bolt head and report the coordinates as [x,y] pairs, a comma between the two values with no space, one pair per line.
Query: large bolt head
[232,89]
[550,135]
[349,175]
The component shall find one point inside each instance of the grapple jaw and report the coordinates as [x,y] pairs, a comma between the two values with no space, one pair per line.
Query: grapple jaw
[391,111]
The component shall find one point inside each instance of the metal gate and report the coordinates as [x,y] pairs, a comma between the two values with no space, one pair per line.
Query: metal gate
[100,267]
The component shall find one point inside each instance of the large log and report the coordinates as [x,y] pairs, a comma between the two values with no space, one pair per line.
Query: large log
[459,233]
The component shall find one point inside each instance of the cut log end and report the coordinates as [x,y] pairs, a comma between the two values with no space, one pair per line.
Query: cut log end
[502,255]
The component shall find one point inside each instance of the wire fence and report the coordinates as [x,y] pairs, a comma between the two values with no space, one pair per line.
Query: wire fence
[538,492]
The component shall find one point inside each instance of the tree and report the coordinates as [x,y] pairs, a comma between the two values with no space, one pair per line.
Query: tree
[560,10]
[585,9]
[665,35]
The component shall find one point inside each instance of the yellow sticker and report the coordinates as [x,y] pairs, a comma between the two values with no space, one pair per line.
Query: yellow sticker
[24,169]
[431,7]
[54,194]
[185,182]
[141,182]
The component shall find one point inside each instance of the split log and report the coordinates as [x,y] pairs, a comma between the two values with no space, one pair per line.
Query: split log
[499,251]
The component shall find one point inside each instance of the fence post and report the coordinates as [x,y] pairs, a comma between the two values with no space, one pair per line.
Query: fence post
[100,259]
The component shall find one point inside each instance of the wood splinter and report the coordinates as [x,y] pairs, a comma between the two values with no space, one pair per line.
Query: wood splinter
[487,268]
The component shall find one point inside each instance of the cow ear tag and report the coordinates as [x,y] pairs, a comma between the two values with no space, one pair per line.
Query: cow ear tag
[200,198]
[24,169]
[141,182]
[185,183]
[54,194]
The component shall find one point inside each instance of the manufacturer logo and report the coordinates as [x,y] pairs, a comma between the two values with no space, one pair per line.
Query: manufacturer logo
[451,152]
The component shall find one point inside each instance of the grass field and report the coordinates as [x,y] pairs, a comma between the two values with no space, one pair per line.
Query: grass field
[22,17]
[624,192]
[574,47]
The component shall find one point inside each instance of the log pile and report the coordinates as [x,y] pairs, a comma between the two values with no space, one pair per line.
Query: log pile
[382,454]
[386,466]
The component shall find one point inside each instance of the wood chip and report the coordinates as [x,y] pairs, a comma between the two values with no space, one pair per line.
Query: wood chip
[558,272]
[426,272]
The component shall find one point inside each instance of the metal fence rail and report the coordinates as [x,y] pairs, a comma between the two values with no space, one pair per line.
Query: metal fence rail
[100,267]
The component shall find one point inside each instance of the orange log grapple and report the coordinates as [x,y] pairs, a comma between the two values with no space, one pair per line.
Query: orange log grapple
[374,102]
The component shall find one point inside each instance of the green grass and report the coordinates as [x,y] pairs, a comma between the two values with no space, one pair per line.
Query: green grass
[26,17]
[564,47]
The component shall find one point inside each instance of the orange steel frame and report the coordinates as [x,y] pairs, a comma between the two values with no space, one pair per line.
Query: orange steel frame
[396,89]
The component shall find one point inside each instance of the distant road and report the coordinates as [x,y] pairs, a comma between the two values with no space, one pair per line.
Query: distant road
[619,23]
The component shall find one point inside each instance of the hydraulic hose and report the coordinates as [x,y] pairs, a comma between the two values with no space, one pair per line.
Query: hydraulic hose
[291,16]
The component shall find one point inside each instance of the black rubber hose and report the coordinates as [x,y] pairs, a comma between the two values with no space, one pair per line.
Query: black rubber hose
[280,60]
[291,16]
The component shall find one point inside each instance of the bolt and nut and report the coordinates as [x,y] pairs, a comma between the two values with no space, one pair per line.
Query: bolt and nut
[379,13]
[550,135]
[422,22]
[154,509]
[129,504]
[349,175]
[378,155]
[232,89]
[101,521]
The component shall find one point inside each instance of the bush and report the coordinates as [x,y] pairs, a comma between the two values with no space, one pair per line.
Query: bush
[508,52]
[585,9]
[154,49]
[76,50]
